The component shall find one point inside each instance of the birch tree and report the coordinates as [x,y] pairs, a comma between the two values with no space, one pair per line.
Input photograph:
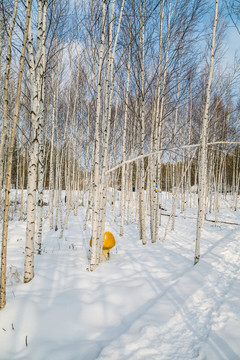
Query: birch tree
[10,157]
[142,129]
[36,69]
[6,92]
[157,131]
[41,90]
[102,181]
[96,186]
[123,180]
[202,187]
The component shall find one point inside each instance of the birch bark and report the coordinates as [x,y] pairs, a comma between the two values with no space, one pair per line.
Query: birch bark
[36,79]
[203,147]
[106,128]
[43,11]
[10,157]
[123,182]
[5,95]
[51,175]
[159,114]
[175,178]
[142,171]
[96,184]
[154,161]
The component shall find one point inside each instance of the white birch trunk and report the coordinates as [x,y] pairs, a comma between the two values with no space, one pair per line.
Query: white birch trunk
[36,85]
[175,178]
[43,11]
[9,166]
[96,183]
[159,122]
[5,95]
[51,175]
[123,182]
[106,129]
[142,224]
[203,147]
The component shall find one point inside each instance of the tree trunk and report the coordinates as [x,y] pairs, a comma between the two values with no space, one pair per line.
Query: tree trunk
[203,148]
[43,10]
[96,183]
[5,95]
[10,157]
[35,71]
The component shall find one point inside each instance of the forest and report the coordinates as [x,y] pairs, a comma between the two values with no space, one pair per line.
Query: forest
[119,105]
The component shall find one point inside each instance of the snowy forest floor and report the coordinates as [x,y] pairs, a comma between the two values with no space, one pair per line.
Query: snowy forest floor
[147,302]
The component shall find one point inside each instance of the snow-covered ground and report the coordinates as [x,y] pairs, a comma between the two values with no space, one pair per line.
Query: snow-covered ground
[147,303]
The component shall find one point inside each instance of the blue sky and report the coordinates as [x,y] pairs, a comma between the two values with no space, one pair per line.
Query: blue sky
[232,44]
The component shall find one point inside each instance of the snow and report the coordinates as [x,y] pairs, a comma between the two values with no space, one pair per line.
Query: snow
[145,303]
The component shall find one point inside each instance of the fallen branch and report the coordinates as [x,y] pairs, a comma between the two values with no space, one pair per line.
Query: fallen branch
[210,220]
[170,149]
[223,222]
